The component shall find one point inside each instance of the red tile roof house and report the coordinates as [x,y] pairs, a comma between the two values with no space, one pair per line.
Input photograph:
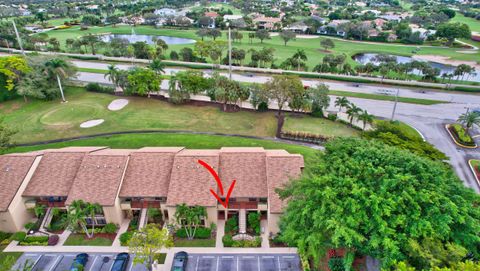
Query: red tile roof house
[125,182]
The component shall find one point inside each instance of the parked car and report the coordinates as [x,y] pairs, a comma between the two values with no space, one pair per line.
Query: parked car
[180,261]
[79,262]
[120,263]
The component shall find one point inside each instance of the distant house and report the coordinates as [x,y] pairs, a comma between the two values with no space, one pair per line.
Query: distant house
[266,22]
[92,7]
[423,33]
[319,19]
[165,12]
[211,14]
[373,33]
[379,23]
[374,11]
[333,28]
[232,17]
[392,37]
[298,27]
[390,16]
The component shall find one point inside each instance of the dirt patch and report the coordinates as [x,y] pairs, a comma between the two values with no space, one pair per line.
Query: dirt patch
[445,60]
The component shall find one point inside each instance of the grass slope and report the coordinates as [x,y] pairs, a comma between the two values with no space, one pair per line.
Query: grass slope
[471,22]
[80,240]
[40,120]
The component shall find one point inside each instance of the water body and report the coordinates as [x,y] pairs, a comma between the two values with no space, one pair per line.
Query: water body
[132,38]
[370,58]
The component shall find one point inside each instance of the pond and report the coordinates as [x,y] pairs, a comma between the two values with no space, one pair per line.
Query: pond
[371,58]
[132,38]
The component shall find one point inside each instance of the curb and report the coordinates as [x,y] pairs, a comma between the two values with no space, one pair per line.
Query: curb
[455,141]
[473,170]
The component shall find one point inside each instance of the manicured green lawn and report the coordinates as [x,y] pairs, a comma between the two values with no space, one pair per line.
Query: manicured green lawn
[384,97]
[195,243]
[311,46]
[471,22]
[80,240]
[317,126]
[40,120]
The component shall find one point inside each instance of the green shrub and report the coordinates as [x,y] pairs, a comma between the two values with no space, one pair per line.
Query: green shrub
[95,87]
[30,226]
[332,117]
[35,239]
[462,135]
[253,221]
[110,228]
[336,264]
[4,235]
[84,57]
[18,236]
[200,233]
[34,243]
[125,237]
[227,240]
[231,225]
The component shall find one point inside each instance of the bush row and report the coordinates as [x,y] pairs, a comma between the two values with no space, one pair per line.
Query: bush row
[125,238]
[306,137]
[229,242]
[200,233]
[95,87]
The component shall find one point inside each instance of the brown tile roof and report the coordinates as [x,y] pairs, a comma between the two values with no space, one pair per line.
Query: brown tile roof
[211,14]
[281,168]
[148,173]
[98,179]
[190,183]
[13,170]
[54,174]
[247,167]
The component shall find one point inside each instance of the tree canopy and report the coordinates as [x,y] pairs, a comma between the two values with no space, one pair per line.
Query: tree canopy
[380,201]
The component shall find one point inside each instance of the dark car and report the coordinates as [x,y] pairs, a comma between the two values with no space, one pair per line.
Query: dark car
[121,262]
[79,262]
[180,261]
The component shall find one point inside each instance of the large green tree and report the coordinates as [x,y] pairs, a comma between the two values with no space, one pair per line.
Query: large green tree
[146,242]
[226,91]
[142,81]
[452,31]
[379,201]
[6,135]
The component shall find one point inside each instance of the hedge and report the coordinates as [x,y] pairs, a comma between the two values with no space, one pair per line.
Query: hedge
[18,236]
[200,233]
[84,57]
[95,87]
[229,242]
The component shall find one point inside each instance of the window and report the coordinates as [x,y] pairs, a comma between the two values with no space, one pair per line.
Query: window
[252,199]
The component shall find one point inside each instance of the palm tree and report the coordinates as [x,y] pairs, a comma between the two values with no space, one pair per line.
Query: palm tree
[365,118]
[76,217]
[341,102]
[299,56]
[352,112]
[469,119]
[61,69]
[91,209]
[157,66]
[112,74]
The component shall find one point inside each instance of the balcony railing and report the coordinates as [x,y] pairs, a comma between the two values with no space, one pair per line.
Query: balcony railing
[243,205]
[58,204]
[140,204]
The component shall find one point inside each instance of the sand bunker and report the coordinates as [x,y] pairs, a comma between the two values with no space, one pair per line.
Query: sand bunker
[117,104]
[91,123]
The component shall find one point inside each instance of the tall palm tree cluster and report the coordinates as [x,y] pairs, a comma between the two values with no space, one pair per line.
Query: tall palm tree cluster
[354,111]
[78,213]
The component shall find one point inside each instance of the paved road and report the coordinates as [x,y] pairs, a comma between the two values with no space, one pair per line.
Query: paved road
[439,95]
[427,119]
[243,262]
[63,261]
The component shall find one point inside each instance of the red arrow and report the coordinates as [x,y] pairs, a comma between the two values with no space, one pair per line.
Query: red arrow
[219,183]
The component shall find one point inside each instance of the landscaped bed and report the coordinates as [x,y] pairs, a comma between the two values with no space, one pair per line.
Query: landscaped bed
[461,136]
[204,237]
[475,166]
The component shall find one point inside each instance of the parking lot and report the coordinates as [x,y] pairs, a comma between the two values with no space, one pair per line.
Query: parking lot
[243,262]
[63,261]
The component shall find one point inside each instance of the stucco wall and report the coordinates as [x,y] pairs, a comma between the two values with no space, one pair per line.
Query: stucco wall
[273,220]
[17,214]
[114,214]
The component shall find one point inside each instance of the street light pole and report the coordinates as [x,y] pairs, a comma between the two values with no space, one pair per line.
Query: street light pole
[229,52]
[18,37]
[395,105]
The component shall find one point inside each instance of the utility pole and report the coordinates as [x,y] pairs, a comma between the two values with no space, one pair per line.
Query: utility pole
[18,37]
[229,52]
[395,105]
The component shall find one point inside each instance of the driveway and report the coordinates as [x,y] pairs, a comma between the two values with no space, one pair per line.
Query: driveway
[240,262]
[63,261]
